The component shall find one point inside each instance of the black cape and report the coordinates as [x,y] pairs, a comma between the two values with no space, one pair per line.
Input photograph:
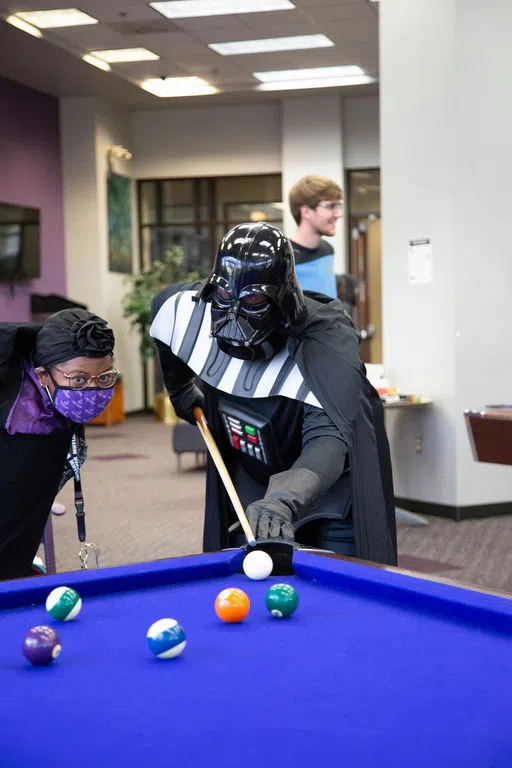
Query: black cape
[326,350]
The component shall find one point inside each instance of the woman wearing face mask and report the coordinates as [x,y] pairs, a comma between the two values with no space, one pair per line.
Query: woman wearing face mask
[53,379]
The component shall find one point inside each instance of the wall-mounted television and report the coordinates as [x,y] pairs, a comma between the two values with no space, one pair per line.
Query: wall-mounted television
[19,243]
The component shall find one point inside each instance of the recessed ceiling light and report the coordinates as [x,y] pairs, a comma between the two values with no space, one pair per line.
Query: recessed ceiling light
[24,25]
[97,62]
[65,17]
[119,55]
[295,43]
[182,9]
[178,86]
[314,82]
[298,74]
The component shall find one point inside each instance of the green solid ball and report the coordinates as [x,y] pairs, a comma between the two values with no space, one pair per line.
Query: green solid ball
[281,600]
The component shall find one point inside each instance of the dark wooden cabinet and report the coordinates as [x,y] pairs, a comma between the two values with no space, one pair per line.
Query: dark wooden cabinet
[490,432]
[114,412]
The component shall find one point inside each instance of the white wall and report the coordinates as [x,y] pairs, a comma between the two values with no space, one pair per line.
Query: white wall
[83,261]
[294,137]
[439,179]
[207,141]
[361,134]
[89,128]
[312,142]
[482,215]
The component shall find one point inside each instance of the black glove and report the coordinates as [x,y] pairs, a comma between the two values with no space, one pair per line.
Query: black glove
[185,399]
[270,520]
[290,495]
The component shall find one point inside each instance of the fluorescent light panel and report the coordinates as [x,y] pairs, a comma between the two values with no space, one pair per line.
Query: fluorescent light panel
[65,17]
[24,26]
[296,43]
[96,62]
[178,86]
[183,9]
[314,82]
[298,74]
[119,55]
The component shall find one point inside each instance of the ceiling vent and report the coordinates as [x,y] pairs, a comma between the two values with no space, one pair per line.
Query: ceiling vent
[129,28]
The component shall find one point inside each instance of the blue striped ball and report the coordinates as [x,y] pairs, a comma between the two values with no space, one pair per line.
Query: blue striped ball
[166,638]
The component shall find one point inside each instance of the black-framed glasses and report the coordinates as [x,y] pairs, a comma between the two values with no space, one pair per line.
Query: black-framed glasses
[81,381]
[334,206]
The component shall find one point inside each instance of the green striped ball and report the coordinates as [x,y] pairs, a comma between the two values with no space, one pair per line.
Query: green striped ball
[63,603]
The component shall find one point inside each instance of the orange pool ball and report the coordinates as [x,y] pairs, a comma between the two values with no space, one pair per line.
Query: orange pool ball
[232,605]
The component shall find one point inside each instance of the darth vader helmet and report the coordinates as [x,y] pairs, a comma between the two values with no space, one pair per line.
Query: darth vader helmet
[254,291]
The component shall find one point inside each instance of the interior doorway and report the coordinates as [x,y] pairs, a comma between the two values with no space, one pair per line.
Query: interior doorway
[364,234]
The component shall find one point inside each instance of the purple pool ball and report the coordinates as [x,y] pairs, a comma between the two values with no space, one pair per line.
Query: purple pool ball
[41,645]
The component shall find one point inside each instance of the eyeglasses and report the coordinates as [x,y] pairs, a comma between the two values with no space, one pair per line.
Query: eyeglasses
[80,381]
[339,206]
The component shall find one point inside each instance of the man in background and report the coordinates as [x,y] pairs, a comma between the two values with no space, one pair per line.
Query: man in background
[316,204]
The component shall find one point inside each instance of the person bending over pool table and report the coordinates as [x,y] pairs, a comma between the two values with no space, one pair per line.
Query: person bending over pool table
[279,376]
[53,378]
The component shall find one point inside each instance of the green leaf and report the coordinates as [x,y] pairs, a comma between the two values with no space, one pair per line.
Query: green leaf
[136,303]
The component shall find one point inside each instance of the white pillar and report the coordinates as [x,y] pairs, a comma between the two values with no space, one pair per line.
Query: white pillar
[446,124]
[312,143]
[88,128]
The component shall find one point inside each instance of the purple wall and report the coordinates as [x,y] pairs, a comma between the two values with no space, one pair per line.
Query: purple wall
[30,174]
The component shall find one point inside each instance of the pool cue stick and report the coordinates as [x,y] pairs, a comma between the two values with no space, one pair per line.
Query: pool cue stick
[223,472]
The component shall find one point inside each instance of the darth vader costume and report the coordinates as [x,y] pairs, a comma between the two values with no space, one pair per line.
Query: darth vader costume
[286,397]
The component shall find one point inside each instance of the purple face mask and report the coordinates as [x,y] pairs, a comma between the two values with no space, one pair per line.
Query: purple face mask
[81,405]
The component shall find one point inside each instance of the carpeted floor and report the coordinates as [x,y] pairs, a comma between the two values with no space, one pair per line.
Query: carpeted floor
[139,507]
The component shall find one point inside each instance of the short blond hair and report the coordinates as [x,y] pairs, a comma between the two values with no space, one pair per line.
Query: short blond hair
[310,190]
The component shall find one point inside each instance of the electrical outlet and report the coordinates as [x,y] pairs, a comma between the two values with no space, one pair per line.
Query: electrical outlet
[419,443]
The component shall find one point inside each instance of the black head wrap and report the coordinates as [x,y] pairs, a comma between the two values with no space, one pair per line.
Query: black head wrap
[72,333]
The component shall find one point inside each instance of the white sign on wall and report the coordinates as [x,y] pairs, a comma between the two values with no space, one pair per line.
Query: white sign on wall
[420,261]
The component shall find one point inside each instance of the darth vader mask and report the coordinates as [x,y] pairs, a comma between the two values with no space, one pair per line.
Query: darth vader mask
[254,292]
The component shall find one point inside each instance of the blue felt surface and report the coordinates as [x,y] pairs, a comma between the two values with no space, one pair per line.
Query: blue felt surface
[350,680]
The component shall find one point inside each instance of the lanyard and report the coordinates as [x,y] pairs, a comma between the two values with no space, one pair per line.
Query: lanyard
[74,464]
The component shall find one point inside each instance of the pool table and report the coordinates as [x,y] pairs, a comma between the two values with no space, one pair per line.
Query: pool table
[377,668]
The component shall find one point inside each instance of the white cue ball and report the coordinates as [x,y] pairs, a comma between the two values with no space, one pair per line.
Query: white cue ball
[258,565]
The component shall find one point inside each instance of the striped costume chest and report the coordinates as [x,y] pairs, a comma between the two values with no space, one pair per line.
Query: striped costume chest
[184,326]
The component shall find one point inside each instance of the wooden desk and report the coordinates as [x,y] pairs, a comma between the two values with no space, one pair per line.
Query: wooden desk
[114,412]
[406,403]
[490,433]
[404,514]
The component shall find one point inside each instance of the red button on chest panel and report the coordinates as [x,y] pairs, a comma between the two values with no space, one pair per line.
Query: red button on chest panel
[252,439]
[236,442]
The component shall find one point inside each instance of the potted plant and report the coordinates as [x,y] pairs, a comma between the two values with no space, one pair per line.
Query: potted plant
[143,286]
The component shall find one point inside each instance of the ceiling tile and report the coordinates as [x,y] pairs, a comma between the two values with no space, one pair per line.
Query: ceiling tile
[90,37]
[116,10]
[142,70]
[268,21]
[226,34]
[362,31]
[326,3]
[350,12]
[300,25]
[170,45]
[202,23]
